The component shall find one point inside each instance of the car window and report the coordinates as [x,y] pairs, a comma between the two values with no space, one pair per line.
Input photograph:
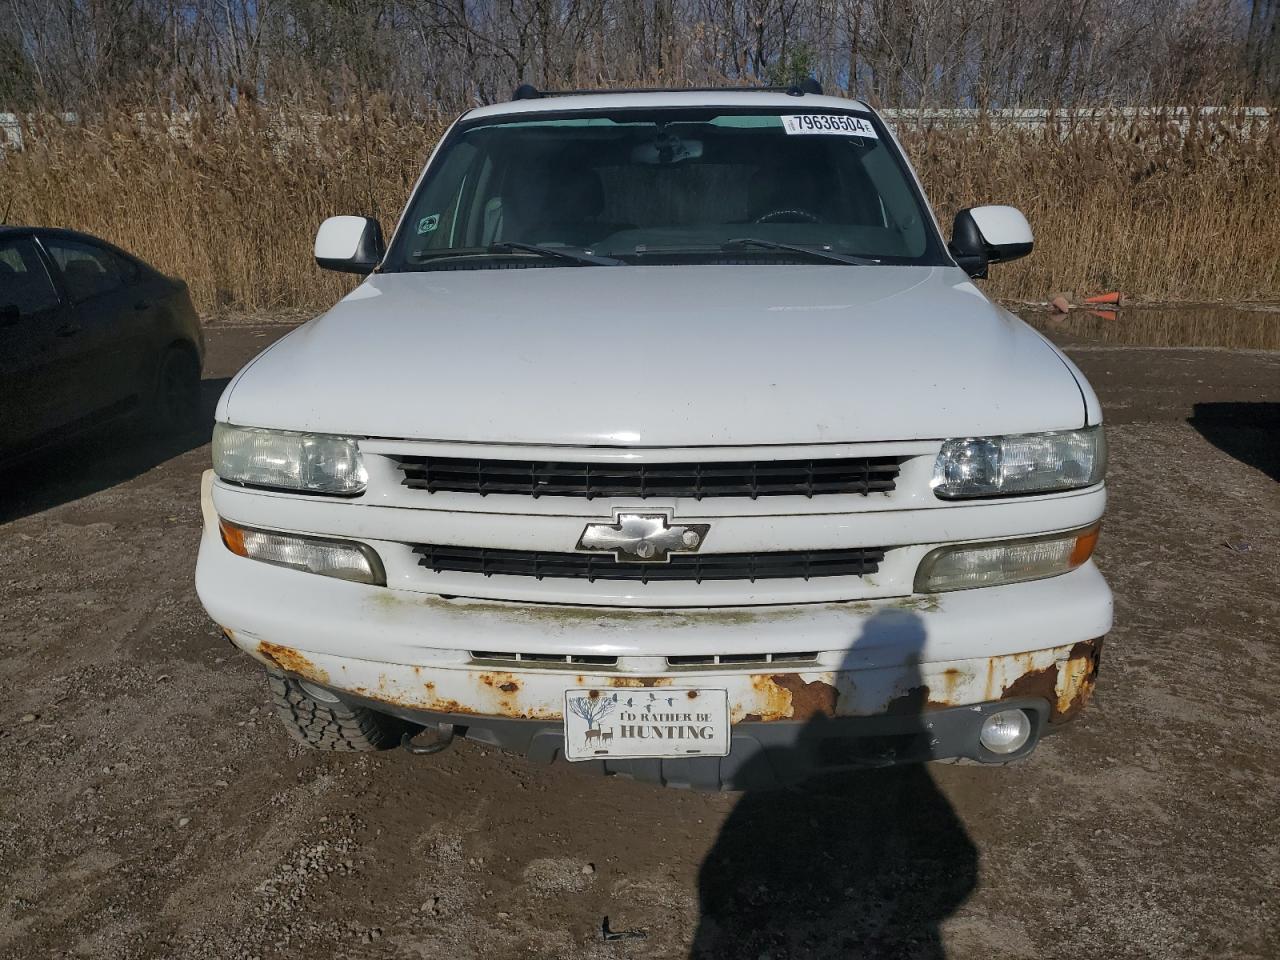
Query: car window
[640,184]
[89,271]
[24,282]
[127,269]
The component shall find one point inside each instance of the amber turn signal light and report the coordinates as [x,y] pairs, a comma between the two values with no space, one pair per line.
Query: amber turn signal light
[233,537]
[1085,544]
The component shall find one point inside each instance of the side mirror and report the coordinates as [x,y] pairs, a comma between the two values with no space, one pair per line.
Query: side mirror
[349,244]
[986,235]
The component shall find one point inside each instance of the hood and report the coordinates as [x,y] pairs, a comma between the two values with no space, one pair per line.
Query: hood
[662,356]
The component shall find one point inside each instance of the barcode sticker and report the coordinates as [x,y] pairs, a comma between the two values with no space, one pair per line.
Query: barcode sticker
[836,124]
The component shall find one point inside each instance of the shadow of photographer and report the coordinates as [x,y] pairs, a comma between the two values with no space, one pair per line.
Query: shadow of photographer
[831,852]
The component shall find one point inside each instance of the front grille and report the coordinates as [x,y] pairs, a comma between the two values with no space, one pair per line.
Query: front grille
[789,565]
[545,659]
[551,478]
[739,659]
[683,662]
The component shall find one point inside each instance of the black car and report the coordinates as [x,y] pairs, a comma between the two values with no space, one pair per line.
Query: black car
[88,333]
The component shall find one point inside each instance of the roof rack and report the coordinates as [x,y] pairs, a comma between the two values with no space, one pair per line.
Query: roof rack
[527,91]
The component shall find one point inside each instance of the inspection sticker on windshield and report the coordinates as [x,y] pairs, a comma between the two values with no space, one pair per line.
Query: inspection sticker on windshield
[639,722]
[835,124]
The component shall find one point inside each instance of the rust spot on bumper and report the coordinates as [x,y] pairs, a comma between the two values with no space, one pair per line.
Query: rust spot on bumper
[506,682]
[1079,676]
[813,699]
[787,696]
[1066,686]
[769,702]
[292,661]
[640,681]
[1040,684]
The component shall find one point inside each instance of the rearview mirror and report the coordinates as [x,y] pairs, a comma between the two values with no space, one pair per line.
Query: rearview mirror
[986,235]
[666,150]
[349,244]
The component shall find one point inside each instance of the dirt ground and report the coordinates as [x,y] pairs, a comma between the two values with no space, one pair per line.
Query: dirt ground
[152,807]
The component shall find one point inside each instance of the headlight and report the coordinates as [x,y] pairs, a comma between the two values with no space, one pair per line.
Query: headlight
[1004,561]
[310,462]
[343,559]
[1020,463]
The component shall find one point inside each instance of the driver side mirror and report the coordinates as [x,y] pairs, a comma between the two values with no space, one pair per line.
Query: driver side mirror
[350,244]
[986,235]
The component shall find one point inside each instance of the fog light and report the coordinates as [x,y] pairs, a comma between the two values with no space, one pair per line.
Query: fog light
[1006,731]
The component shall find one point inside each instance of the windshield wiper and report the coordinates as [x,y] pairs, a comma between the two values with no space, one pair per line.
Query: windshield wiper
[580,258]
[814,253]
[569,254]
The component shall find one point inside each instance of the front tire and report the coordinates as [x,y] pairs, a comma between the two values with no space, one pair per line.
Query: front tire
[336,726]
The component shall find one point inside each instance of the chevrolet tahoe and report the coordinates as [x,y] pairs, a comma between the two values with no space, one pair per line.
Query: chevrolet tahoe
[667,436]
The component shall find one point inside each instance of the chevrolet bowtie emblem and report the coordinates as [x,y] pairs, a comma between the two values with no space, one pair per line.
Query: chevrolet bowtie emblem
[643,537]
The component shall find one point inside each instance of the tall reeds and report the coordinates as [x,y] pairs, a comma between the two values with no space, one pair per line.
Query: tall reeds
[229,198]
[1160,208]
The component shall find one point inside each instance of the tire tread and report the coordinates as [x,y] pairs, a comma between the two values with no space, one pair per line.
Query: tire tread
[331,726]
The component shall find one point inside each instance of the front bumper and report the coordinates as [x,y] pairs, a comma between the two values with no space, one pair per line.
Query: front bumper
[919,669]
[766,754]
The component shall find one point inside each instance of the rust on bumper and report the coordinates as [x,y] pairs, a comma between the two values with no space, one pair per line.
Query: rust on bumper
[1065,682]
[1063,677]
[291,661]
[1067,685]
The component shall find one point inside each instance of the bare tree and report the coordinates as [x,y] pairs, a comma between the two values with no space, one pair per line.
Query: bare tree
[445,55]
[592,709]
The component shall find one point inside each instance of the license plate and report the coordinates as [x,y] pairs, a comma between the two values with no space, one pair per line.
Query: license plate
[643,722]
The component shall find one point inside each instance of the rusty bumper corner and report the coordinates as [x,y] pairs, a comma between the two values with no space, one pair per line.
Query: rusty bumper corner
[292,661]
[1066,685]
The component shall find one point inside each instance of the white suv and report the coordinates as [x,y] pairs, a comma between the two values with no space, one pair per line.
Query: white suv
[667,434]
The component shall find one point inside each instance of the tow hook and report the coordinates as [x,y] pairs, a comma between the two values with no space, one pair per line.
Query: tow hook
[443,740]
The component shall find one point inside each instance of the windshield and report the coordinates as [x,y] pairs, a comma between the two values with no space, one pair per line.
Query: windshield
[667,186]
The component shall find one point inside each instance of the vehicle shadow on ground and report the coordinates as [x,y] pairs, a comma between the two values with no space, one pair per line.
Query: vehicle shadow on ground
[858,863]
[97,459]
[1250,432]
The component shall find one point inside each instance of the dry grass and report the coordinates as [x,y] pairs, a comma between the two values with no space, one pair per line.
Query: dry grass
[230,201]
[1154,210]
